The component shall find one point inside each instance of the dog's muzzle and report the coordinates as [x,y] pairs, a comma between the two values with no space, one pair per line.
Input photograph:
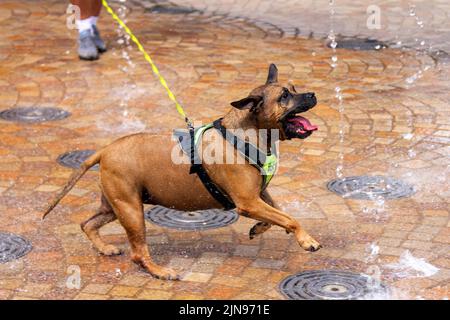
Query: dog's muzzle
[296,126]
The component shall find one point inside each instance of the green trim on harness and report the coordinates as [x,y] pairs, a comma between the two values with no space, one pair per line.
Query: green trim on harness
[200,131]
[265,163]
[269,167]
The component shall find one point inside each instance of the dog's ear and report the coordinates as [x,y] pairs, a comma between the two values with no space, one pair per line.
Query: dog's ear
[251,102]
[273,74]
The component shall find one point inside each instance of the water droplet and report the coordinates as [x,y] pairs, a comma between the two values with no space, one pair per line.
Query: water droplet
[339,170]
[411,153]
[408,136]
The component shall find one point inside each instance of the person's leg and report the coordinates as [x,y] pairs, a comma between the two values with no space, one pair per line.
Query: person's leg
[85,7]
[90,42]
[96,7]
[87,50]
[85,13]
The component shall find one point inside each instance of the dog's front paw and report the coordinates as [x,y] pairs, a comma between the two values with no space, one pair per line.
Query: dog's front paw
[309,243]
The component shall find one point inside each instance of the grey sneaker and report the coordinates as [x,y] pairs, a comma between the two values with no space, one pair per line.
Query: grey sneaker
[87,49]
[99,43]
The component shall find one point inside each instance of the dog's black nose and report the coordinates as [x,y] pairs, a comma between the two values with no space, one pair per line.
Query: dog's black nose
[310,95]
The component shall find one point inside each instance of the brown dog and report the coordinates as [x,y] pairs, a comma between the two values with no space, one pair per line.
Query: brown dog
[142,163]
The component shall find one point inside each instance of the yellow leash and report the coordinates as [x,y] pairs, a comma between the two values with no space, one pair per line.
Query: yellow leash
[150,61]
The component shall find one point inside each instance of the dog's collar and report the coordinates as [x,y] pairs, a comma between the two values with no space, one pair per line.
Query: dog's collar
[265,162]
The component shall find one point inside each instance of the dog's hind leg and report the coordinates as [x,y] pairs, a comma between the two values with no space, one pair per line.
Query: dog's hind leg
[104,215]
[132,218]
[262,227]
[127,205]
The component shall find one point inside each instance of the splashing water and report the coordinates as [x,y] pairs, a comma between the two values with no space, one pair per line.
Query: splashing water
[412,13]
[410,266]
[381,293]
[377,211]
[338,91]
[376,290]
[420,44]
[339,97]
[129,122]
[408,136]
[373,250]
[411,153]
[332,35]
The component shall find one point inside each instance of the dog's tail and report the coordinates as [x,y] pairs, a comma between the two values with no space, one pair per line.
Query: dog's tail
[90,162]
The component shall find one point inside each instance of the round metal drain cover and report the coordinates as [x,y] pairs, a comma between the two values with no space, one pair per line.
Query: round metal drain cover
[13,247]
[74,159]
[170,9]
[33,114]
[360,44]
[197,220]
[370,188]
[328,285]
[440,56]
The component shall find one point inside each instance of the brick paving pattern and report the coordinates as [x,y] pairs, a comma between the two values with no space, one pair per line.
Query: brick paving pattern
[395,120]
[409,22]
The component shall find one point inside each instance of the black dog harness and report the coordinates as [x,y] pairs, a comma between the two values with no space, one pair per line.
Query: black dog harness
[265,163]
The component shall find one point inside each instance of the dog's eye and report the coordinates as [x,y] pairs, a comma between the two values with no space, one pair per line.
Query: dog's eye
[284,96]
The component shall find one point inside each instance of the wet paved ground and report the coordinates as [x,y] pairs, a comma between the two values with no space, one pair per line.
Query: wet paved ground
[395,121]
[410,22]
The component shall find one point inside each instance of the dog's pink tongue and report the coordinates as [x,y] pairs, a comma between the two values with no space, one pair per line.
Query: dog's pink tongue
[305,123]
